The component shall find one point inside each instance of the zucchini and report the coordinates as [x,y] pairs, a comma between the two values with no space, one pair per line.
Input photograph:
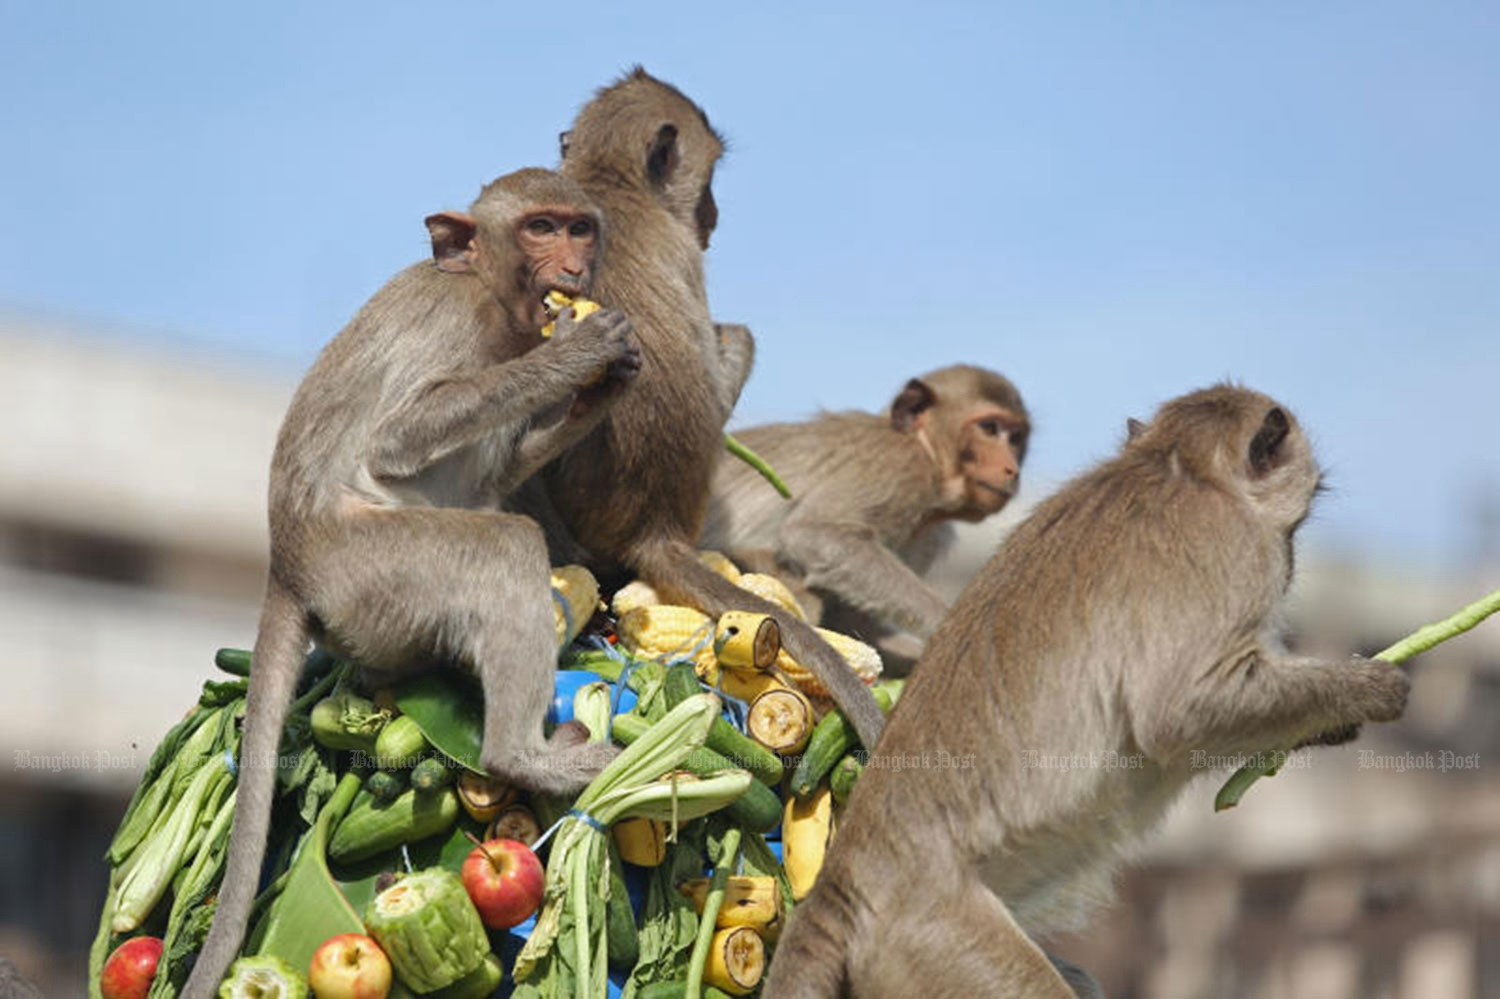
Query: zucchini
[832,737]
[369,828]
[757,810]
[400,743]
[723,738]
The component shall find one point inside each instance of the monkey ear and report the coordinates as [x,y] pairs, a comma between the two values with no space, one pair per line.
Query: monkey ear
[1133,429]
[662,158]
[452,240]
[910,403]
[1265,446]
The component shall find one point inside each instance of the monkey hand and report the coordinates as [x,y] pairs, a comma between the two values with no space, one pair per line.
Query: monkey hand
[1380,690]
[608,340]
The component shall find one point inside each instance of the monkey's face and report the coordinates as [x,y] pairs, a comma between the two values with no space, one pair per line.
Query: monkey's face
[556,247]
[992,445]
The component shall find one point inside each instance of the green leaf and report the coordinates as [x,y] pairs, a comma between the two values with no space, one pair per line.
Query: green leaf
[311,908]
[448,706]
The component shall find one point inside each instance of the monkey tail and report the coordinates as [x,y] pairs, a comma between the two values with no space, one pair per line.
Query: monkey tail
[811,960]
[276,665]
[674,570]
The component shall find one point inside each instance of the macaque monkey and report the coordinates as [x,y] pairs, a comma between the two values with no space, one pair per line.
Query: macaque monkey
[634,493]
[874,497]
[1124,626]
[387,544]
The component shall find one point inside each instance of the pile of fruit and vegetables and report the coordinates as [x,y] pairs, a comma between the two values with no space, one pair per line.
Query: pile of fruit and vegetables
[397,867]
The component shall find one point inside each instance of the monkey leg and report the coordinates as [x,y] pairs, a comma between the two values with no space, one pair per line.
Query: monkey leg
[409,585]
[964,944]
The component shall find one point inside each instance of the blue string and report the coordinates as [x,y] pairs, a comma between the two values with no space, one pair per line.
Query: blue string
[567,611]
[571,813]
[230,763]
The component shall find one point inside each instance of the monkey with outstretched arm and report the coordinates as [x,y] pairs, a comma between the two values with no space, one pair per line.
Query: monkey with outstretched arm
[1128,622]
[387,544]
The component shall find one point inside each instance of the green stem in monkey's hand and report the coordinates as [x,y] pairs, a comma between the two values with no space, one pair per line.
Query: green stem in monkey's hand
[1418,641]
[758,463]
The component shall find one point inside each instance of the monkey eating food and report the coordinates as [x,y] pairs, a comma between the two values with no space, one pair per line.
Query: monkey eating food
[1130,618]
[634,493]
[387,544]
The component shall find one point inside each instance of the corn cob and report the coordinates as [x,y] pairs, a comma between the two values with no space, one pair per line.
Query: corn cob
[781,720]
[736,960]
[753,901]
[636,593]
[720,563]
[429,929]
[556,301]
[669,632]
[770,588]
[575,595]
[806,831]
[591,705]
[746,641]
[862,658]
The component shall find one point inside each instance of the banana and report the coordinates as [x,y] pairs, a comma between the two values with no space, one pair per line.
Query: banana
[806,830]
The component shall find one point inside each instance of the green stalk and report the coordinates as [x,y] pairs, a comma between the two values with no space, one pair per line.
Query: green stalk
[728,850]
[1418,641]
[755,461]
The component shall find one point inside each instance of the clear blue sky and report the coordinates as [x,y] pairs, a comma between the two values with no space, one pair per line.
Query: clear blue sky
[1112,203]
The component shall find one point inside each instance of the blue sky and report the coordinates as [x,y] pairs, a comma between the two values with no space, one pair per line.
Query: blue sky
[1112,203]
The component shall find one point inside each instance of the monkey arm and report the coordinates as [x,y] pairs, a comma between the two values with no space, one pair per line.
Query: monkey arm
[736,357]
[1258,700]
[847,559]
[453,412]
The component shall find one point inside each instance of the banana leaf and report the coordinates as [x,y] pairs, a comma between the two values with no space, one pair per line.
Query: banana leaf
[448,706]
[310,907]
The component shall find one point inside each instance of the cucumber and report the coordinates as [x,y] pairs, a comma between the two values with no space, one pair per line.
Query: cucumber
[842,777]
[431,774]
[723,738]
[400,743]
[384,786]
[757,810]
[832,737]
[370,828]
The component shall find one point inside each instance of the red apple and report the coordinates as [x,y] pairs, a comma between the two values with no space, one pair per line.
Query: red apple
[128,971]
[505,881]
[349,966]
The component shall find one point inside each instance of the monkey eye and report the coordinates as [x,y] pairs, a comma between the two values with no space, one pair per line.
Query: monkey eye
[583,227]
[541,226]
[992,428]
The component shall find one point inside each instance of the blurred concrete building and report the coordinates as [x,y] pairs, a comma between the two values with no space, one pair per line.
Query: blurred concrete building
[132,541]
